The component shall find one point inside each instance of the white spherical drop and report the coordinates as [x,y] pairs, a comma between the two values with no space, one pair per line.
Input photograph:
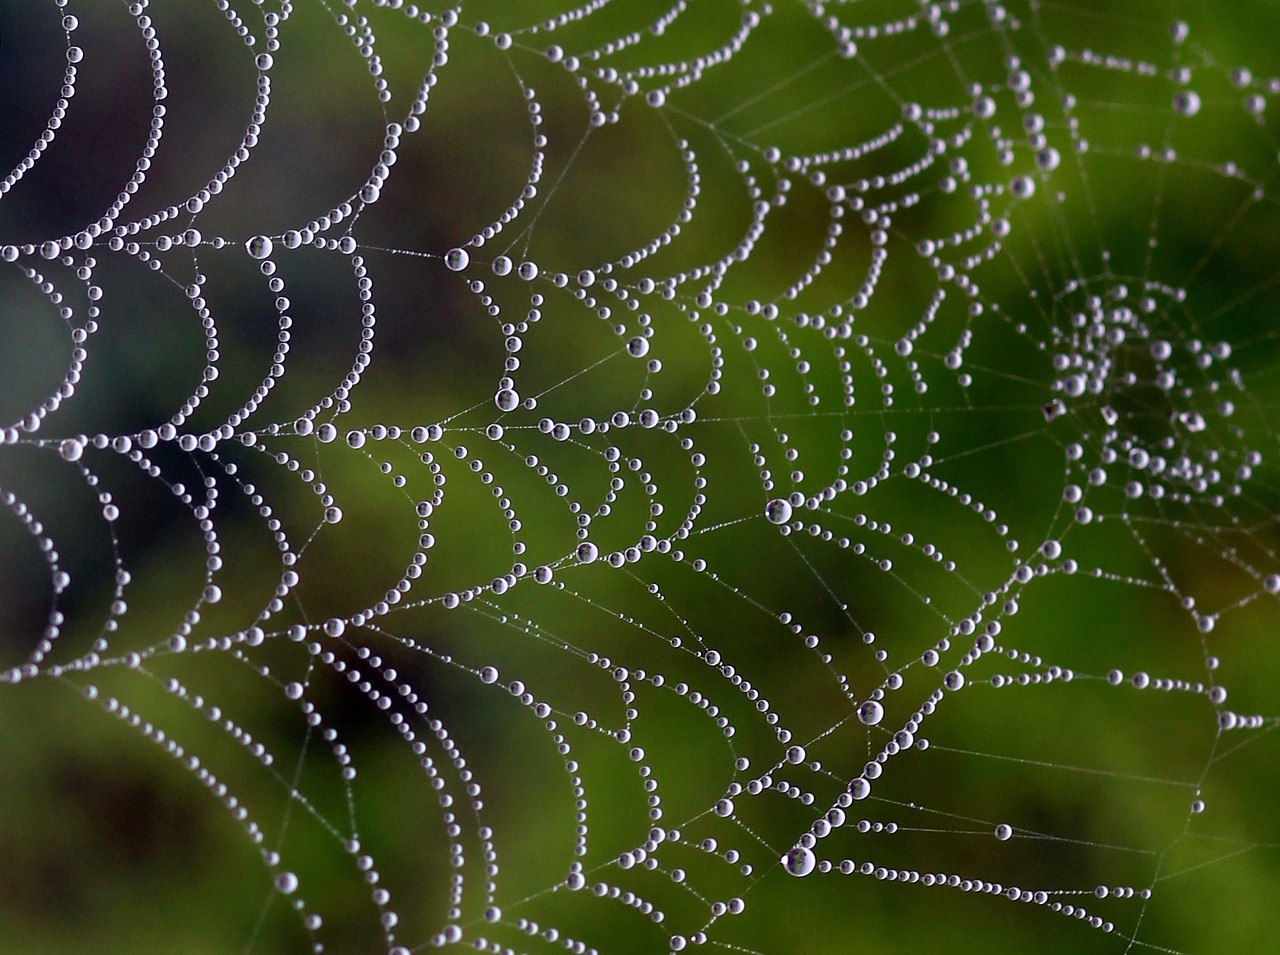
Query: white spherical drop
[293,690]
[335,626]
[457,259]
[1186,102]
[489,675]
[778,511]
[638,347]
[259,247]
[507,399]
[71,449]
[587,552]
[286,883]
[1004,831]
[1024,187]
[871,712]
[799,862]
[795,755]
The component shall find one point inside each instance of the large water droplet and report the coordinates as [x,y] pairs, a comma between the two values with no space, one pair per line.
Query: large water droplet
[259,247]
[799,862]
[871,712]
[71,449]
[778,511]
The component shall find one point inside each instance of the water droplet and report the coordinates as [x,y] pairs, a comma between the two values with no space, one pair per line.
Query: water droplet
[1004,831]
[799,862]
[507,399]
[778,511]
[489,675]
[457,259]
[871,712]
[1186,102]
[259,247]
[638,347]
[71,449]
[587,552]
[286,883]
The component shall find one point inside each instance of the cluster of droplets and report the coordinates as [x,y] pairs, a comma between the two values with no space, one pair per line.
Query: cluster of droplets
[1116,346]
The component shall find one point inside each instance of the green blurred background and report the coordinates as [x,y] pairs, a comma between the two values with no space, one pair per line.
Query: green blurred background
[111,845]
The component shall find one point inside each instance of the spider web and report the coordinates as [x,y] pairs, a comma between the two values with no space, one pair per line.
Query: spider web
[813,486]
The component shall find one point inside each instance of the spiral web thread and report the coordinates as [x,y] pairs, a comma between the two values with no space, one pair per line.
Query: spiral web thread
[821,462]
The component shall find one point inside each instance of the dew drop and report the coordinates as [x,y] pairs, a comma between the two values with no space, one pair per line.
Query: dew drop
[777,511]
[259,247]
[1186,102]
[799,862]
[457,259]
[871,712]
[71,449]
